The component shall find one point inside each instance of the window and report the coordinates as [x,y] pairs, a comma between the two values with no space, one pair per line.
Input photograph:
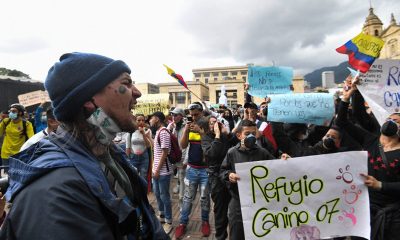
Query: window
[206,80]
[392,47]
[181,97]
[215,74]
[233,73]
[244,78]
[224,74]
[243,73]
[171,98]
[234,78]
[206,74]
[376,32]
[197,75]
[215,79]
[197,80]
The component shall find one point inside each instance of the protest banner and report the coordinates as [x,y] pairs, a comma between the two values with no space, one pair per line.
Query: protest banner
[314,108]
[269,80]
[32,98]
[150,103]
[380,87]
[315,197]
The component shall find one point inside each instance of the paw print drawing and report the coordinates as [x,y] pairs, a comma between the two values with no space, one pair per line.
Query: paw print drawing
[351,195]
[345,175]
[348,216]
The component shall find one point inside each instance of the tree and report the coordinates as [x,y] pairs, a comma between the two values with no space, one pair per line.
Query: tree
[13,73]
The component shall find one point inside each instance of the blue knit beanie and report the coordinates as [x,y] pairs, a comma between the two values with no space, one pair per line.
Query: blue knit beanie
[77,78]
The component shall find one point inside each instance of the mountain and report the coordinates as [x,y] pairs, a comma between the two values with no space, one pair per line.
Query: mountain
[340,71]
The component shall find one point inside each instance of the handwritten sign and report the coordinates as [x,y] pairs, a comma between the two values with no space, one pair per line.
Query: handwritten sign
[315,108]
[380,87]
[269,80]
[149,103]
[32,98]
[315,197]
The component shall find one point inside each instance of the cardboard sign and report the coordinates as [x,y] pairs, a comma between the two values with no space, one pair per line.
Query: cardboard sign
[269,80]
[32,98]
[314,108]
[315,197]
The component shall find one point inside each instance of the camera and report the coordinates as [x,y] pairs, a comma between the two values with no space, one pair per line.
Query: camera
[189,118]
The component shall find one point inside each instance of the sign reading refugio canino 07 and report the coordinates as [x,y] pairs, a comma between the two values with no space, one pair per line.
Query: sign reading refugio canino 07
[315,197]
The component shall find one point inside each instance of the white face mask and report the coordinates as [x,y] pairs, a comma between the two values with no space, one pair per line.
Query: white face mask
[108,128]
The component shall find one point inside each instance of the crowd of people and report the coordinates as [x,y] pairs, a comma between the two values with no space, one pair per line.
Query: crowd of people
[87,171]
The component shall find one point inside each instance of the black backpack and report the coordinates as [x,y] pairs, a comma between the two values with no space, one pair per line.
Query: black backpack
[24,133]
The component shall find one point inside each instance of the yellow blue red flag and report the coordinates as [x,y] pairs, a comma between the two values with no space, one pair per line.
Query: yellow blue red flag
[176,76]
[362,51]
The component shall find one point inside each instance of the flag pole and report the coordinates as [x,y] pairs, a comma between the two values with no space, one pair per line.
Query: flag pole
[355,77]
[194,94]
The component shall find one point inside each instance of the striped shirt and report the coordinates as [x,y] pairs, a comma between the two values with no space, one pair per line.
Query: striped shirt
[162,140]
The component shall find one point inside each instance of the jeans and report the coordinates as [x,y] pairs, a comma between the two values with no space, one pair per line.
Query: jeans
[161,190]
[195,178]
[141,163]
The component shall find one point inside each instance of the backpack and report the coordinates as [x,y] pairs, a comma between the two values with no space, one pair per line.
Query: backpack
[175,153]
[23,128]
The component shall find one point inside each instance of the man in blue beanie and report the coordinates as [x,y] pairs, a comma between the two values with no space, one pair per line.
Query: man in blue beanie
[76,183]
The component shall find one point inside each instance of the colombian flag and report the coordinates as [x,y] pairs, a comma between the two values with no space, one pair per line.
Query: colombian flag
[176,76]
[362,51]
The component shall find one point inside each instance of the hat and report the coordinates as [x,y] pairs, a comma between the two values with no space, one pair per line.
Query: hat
[77,78]
[250,105]
[178,111]
[160,115]
[18,106]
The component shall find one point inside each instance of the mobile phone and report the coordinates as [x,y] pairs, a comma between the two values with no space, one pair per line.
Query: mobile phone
[189,118]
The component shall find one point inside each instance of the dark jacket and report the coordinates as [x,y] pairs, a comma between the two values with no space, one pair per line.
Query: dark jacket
[214,150]
[58,191]
[239,155]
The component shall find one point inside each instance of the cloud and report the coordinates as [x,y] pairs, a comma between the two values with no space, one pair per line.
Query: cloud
[294,33]
[22,45]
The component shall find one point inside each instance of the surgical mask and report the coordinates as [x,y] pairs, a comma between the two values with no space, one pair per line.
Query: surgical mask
[389,128]
[250,141]
[329,143]
[13,115]
[44,119]
[108,128]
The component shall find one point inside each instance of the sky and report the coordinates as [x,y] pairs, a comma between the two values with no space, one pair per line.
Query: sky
[183,34]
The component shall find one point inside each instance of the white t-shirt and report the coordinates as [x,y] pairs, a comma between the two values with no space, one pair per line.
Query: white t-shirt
[165,142]
[136,142]
[34,139]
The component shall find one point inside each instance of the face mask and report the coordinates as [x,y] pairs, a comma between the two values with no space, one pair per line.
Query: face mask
[44,119]
[265,112]
[250,141]
[389,128]
[13,115]
[108,128]
[329,143]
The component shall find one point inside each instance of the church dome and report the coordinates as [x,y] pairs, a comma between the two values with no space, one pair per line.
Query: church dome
[372,19]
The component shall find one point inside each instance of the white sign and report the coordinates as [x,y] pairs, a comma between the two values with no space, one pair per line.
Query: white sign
[380,87]
[313,197]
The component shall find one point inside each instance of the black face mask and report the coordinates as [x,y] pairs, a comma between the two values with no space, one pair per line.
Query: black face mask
[329,143]
[389,128]
[250,141]
[265,112]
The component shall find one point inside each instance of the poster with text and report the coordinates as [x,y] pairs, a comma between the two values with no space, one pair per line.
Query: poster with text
[315,197]
[149,103]
[269,80]
[313,108]
[380,87]
[32,98]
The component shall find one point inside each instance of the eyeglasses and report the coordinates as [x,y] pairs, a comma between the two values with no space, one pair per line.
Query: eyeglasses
[195,106]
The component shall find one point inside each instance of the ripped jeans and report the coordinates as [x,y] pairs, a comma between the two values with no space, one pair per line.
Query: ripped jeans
[195,178]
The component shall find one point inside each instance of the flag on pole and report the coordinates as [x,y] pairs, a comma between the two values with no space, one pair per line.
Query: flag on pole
[362,51]
[176,76]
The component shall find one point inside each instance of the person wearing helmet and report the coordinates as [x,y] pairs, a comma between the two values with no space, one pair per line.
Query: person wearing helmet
[16,131]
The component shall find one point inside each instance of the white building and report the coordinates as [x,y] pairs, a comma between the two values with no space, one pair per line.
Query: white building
[328,79]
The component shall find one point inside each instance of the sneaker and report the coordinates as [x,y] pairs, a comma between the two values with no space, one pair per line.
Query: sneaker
[180,231]
[176,189]
[167,227]
[161,218]
[205,229]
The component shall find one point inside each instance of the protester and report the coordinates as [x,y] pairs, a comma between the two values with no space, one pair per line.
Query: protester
[40,118]
[247,150]
[137,144]
[177,127]
[215,142]
[52,125]
[383,177]
[77,184]
[162,170]
[16,131]
[196,174]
